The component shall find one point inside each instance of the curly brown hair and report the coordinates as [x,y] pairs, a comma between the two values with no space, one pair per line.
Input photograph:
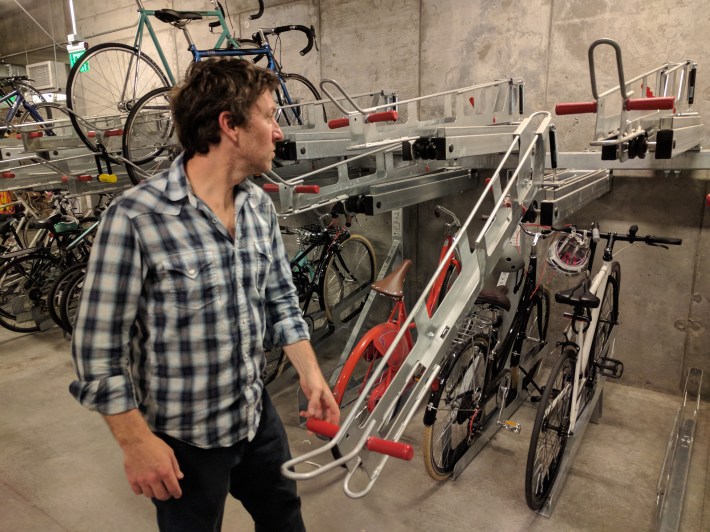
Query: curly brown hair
[210,87]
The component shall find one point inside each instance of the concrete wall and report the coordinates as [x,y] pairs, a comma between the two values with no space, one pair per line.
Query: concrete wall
[423,46]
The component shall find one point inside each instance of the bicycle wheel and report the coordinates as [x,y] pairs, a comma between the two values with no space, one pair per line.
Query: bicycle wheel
[454,407]
[295,89]
[608,317]
[536,322]
[274,363]
[54,297]
[24,287]
[47,112]
[452,273]
[105,84]
[349,269]
[69,305]
[149,139]
[550,431]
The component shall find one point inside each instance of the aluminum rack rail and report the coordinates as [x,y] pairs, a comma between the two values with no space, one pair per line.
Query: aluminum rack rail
[661,120]
[387,142]
[365,444]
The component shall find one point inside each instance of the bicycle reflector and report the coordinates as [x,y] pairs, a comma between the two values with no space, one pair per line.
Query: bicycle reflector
[569,253]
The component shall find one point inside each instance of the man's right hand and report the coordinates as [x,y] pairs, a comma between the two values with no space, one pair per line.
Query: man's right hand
[152,469]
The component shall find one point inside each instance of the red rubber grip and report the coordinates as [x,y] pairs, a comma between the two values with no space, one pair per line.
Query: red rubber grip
[307,189]
[650,104]
[707,200]
[383,116]
[113,133]
[36,134]
[394,449]
[270,187]
[377,445]
[575,108]
[321,427]
[8,175]
[336,123]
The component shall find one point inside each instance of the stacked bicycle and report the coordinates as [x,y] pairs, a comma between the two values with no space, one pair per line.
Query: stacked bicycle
[575,381]
[114,82]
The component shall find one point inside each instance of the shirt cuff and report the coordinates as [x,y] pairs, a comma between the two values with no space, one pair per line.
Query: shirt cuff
[290,331]
[112,395]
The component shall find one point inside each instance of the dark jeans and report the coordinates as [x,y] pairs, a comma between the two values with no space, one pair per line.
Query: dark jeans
[249,471]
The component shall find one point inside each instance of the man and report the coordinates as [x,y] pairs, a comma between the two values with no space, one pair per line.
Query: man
[187,273]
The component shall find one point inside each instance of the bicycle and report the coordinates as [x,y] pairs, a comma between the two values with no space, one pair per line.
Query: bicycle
[149,141]
[480,374]
[111,78]
[586,350]
[332,271]
[375,342]
[28,275]
[14,91]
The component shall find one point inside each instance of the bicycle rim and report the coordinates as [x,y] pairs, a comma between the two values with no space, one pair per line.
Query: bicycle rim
[350,269]
[54,297]
[48,112]
[115,77]
[550,432]
[456,407]
[71,297]
[356,374]
[150,141]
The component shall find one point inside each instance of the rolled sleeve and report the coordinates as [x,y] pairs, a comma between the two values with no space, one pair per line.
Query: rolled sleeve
[107,312]
[283,313]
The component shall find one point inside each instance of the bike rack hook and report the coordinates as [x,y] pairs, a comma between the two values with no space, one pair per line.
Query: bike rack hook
[619,67]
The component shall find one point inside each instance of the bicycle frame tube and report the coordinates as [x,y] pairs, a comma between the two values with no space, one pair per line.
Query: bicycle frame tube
[439,285]
[584,337]
[144,22]
[14,106]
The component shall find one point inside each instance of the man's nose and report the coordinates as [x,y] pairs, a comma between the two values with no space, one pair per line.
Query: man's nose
[278,134]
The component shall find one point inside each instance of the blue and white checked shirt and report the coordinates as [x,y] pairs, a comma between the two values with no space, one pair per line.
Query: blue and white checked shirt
[174,311]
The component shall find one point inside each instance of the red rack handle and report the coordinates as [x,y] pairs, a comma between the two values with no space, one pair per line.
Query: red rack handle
[337,123]
[383,116]
[575,108]
[301,189]
[391,448]
[650,104]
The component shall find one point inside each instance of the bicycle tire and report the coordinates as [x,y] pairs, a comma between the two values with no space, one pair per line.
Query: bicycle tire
[537,321]
[447,437]
[297,89]
[95,97]
[608,317]
[71,297]
[49,112]
[350,268]
[550,431]
[54,296]
[274,363]
[452,274]
[149,138]
[24,286]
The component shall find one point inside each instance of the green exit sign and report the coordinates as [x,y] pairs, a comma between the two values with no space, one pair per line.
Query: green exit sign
[74,57]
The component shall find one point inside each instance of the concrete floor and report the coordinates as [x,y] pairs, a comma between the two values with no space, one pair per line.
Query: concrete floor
[60,469]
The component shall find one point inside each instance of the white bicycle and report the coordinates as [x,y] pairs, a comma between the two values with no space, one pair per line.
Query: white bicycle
[587,349]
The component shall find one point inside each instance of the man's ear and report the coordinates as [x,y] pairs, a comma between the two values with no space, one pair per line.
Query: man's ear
[225,121]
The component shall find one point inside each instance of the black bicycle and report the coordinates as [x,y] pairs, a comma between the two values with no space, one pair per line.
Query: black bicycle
[332,270]
[480,374]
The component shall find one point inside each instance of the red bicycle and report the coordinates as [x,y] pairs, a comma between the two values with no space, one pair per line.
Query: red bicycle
[361,363]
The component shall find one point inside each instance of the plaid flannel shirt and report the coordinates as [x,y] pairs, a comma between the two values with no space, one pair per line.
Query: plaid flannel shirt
[174,311]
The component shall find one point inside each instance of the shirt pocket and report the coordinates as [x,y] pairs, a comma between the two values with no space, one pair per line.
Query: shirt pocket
[264,256]
[191,279]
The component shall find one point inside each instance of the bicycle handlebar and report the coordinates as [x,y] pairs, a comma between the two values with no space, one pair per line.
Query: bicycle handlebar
[377,445]
[630,237]
[309,32]
[261,11]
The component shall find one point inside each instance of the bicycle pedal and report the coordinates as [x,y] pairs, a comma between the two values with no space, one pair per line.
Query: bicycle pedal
[535,398]
[510,426]
[610,367]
